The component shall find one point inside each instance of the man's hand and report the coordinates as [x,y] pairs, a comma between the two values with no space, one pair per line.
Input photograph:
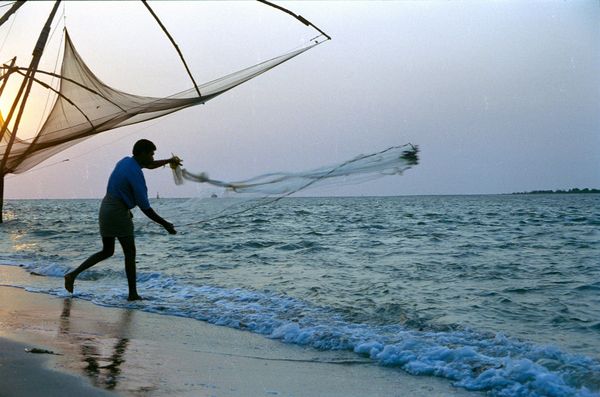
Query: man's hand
[156,218]
[170,228]
[175,161]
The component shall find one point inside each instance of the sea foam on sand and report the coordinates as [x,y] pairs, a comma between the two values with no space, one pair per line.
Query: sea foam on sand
[132,352]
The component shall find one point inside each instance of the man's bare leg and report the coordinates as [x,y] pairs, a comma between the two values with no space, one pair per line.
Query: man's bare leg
[128,245]
[108,248]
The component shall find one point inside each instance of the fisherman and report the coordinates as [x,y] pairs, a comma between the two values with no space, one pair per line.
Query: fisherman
[126,189]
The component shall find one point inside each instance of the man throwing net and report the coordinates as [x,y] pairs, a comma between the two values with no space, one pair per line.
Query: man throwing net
[126,189]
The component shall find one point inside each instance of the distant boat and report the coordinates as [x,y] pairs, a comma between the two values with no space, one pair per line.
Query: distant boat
[157,196]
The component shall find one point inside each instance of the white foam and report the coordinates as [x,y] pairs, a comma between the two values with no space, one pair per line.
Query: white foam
[496,363]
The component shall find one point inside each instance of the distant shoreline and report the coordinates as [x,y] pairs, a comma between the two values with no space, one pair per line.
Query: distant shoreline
[560,191]
[152,199]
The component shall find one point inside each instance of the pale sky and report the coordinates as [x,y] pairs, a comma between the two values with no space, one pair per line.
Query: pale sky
[501,96]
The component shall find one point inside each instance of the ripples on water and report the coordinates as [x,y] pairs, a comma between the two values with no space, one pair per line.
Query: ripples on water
[525,266]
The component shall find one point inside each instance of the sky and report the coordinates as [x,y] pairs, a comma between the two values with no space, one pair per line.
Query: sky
[500,96]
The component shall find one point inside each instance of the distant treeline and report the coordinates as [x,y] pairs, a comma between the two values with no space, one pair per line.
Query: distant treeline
[574,190]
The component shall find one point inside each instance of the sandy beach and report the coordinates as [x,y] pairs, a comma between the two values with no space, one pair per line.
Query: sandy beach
[25,374]
[107,351]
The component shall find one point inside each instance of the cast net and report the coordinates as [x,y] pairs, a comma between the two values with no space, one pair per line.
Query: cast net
[273,186]
[391,161]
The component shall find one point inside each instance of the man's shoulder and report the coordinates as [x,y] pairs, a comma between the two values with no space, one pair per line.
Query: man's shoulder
[128,163]
[126,160]
[127,168]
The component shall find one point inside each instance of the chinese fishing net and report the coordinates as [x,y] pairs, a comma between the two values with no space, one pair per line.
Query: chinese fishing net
[275,186]
[85,106]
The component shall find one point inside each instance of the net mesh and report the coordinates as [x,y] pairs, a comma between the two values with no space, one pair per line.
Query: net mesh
[86,106]
[391,161]
[269,188]
[7,134]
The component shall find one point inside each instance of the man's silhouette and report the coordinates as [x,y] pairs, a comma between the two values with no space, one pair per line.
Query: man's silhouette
[126,189]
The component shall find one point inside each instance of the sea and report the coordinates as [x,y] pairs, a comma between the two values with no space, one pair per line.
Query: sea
[496,293]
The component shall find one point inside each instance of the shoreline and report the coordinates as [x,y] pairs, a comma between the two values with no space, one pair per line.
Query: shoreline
[133,353]
[153,199]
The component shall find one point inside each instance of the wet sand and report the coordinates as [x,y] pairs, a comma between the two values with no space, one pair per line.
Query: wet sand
[108,351]
[25,374]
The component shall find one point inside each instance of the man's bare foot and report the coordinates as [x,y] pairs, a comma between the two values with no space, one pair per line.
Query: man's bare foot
[135,297]
[69,281]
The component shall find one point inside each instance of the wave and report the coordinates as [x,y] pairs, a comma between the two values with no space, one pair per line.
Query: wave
[494,363]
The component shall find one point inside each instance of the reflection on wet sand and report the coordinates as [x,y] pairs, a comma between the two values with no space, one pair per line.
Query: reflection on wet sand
[105,376]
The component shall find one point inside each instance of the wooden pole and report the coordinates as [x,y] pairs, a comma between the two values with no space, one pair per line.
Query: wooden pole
[9,72]
[12,10]
[12,63]
[23,94]
[164,29]
[1,196]
[4,82]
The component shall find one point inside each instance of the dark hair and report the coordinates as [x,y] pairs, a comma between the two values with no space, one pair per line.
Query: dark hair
[143,146]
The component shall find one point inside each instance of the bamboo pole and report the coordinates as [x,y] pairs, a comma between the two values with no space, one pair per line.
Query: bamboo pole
[22,96]
[8,72]
[164,29]
[1,197]
[12,10]
[4,82]
[12,63]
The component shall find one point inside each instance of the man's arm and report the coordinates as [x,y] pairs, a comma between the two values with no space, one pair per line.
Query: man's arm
[159,163]
[157,218]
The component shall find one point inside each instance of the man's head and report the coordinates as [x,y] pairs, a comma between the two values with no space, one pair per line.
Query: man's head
[143,151]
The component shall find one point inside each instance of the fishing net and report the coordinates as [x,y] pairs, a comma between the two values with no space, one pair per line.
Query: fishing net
[269,188]
[85,106]
[391,161]
[7,134]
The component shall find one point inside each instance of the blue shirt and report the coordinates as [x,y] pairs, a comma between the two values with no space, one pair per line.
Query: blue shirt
[127,183]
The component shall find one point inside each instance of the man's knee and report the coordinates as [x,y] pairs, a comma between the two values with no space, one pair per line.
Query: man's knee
[108,247]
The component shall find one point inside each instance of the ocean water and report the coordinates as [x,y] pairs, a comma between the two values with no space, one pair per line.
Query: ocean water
[496,293]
